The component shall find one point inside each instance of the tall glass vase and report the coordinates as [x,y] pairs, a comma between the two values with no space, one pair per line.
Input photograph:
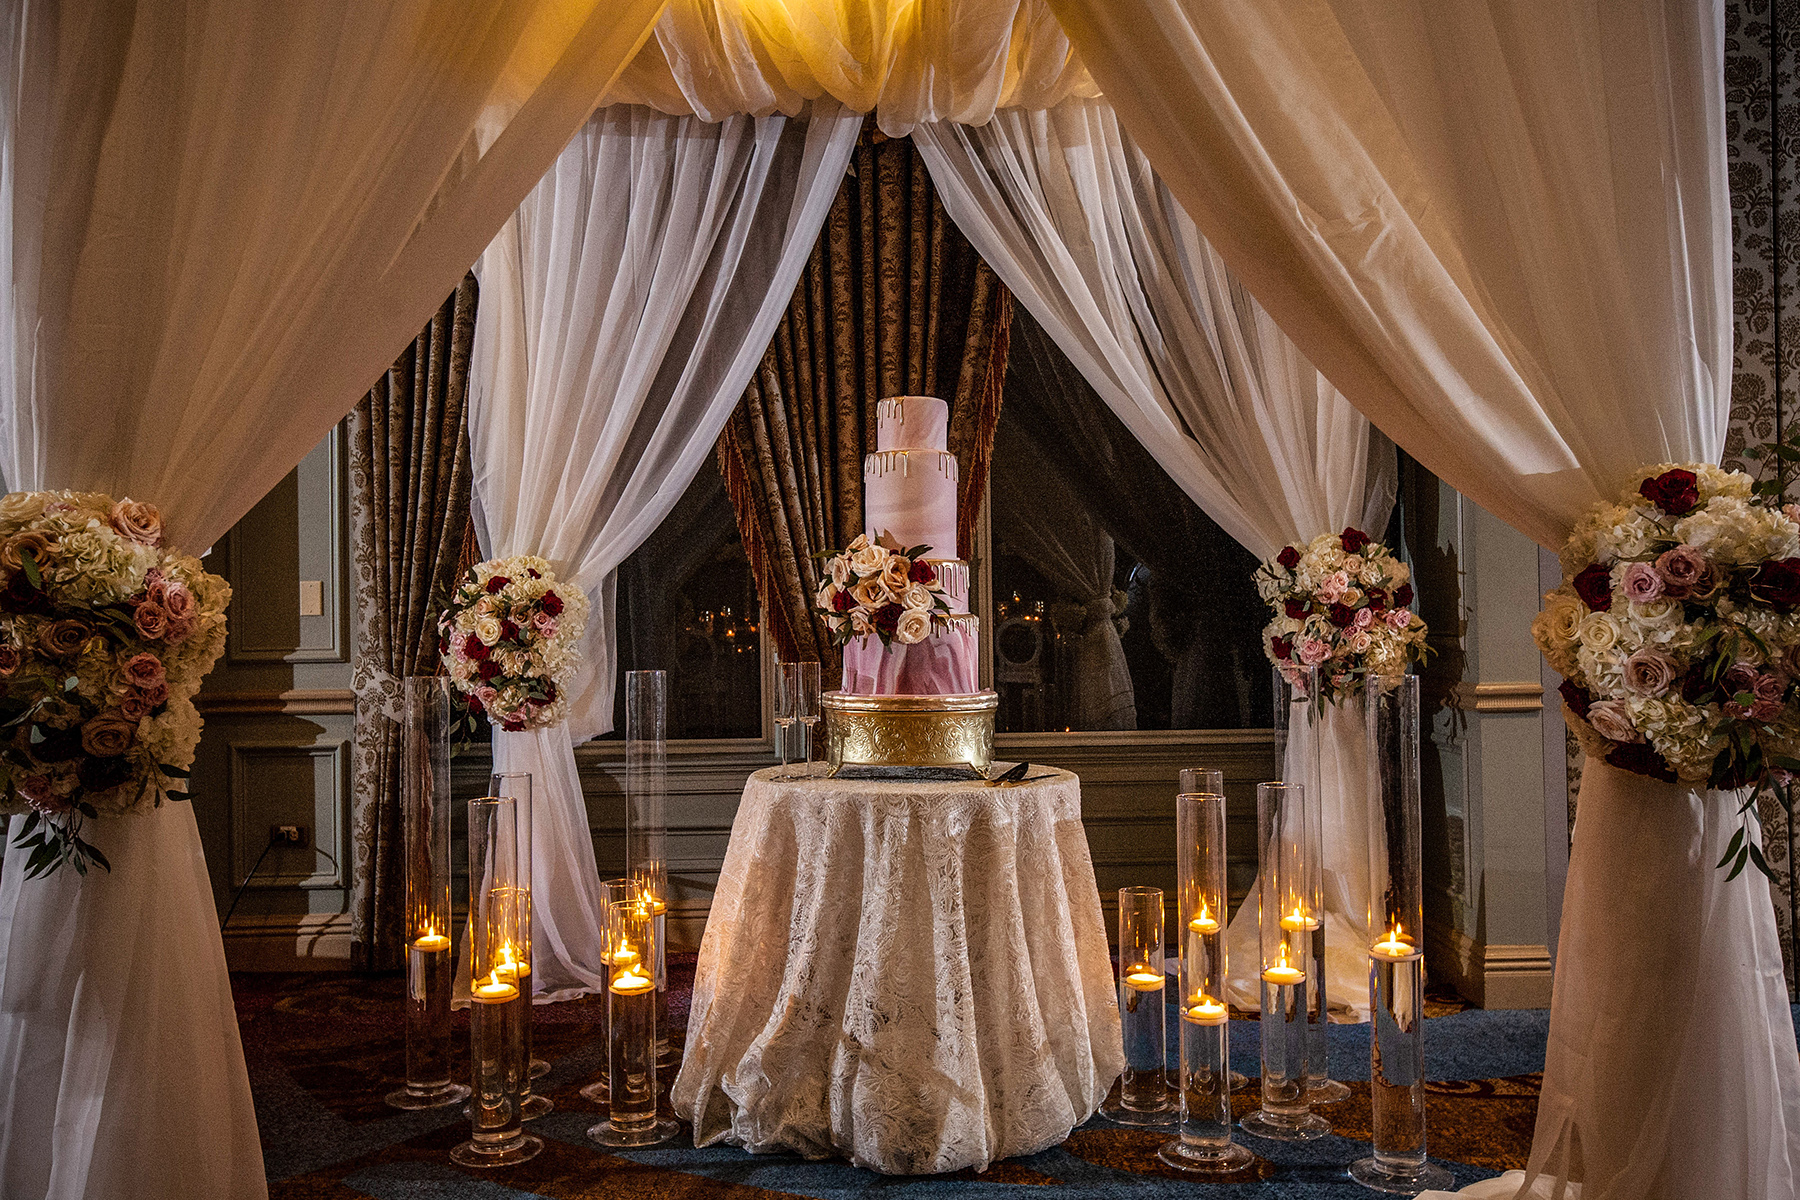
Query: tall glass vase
[646,823]
[1301,717]
[616,951]
[498,1000]
[1396,951]
[1203,1144]
[1286,923]
[430,955]
[1144,1095]
[516,786]
[632,1118]
[1209,781]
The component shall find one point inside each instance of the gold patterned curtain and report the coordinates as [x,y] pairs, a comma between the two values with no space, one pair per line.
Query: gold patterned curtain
[894,301]
[409,507]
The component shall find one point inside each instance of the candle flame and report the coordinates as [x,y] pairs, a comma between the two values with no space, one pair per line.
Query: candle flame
[1397,933]
[1299,913]
[506,956]
[1283,952]
[1205,913]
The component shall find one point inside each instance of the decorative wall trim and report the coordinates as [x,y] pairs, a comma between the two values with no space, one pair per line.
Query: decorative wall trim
[1493,976]
[1521,695]
[298,702]
[298,942]
[248,837]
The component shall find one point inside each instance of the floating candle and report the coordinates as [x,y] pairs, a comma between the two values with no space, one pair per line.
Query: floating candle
[632,982]
[431,940]
[1298,920]
[1396,945]
[495,990]
[1142,977]
[510,967]
[1204,921]
[1204,1010]
[1283,972]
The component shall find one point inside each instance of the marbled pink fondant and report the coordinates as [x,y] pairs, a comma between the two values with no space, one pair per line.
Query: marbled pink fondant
[947,663]
[912,423]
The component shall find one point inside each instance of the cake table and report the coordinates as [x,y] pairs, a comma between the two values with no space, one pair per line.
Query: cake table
[912,975]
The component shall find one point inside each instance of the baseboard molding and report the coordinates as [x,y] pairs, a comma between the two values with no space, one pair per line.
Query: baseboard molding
[308,942]
[1493,976]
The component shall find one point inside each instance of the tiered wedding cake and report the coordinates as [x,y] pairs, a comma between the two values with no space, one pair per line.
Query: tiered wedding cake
[912,698]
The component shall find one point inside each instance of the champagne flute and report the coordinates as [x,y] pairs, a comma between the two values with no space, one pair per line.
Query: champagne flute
[806,705]
[786,693]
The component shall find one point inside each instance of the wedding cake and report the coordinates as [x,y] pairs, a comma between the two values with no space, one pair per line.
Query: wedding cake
[898,598]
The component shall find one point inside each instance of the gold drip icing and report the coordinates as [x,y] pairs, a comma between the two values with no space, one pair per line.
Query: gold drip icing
[886,462]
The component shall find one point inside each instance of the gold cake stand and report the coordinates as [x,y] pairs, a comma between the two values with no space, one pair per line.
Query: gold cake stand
[945,736]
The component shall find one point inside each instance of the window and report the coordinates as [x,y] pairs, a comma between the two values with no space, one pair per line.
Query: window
[1117,603]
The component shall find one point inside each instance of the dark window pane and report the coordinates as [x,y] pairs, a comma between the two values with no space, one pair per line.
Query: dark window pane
[1118,604]
[687,605]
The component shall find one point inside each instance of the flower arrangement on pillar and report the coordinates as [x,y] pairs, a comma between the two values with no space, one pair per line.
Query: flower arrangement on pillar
[511,639]
[1677,632]
[105,635]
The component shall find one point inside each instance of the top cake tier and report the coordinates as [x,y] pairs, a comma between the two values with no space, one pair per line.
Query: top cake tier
[912,423]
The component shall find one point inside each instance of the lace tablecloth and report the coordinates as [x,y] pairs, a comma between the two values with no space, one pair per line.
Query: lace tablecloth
[912,975]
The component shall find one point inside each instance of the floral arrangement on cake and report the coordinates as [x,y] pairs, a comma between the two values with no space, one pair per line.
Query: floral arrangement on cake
[105,635]
[1341,605]
[1677,633]
[869,588]
[511,639]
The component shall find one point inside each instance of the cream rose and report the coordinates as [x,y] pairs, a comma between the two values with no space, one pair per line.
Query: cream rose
[839,570]
[869,560]
[871,593]
[917,595]
[19,507]
[895,574]
[914,626]
[137,521]
[12,554]
[487,629]
[1599,632]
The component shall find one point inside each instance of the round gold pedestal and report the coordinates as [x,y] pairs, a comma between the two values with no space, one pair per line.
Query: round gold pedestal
[869,734]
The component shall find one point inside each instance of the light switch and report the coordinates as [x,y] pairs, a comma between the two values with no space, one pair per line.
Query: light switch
[312,597]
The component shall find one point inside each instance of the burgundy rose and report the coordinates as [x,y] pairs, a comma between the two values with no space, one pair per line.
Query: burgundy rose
[922,572]
[1777,583]
[108,735]
[1576,697]
[534,572]
[152,621]
[1640,758]
[9,659]
[1696,688]
[1684,570]
[1378,598]
[1289,557]
[487,669]
[508,631]
[513,726]
[134,705]
[552,604]
[1296,609]
[475,648]
[1354,540]
[842,602]
[497,584]
[1594,586]
[1342,615]
[21,597]
[1282,647]
[143,670]
[1403,596]
[474,702]
[549,691]
[1675,492]
[887,617]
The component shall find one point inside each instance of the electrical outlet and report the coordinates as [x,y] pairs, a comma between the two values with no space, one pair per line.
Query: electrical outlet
[287,835]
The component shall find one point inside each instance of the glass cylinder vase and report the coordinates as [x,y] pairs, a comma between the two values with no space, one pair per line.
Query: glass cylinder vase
[646,823]
[1144,1096]
[1302,697]
[516,786]
[616,951]
[1209,781]
[632,1118]
[1396,950]
[1286,922]
[1203,1144]
[498,1002]
[430,956]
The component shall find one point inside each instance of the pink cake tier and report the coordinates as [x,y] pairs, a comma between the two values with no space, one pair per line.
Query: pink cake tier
[948,663]
[909,483]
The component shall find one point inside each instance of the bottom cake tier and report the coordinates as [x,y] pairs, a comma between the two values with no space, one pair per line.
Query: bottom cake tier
[946,663]
[910,736]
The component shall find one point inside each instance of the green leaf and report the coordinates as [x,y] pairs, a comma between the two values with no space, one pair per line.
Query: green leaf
[1762,865]
[1738,869]
[1732,847]
[28,560]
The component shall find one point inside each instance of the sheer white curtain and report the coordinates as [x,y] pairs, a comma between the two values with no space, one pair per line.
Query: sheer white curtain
[1504,230]
[218,222]
[1076,556]
[951,60]
[1071,216]
[622,312]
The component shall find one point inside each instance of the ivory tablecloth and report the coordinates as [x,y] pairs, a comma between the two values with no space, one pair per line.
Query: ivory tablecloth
[912,975]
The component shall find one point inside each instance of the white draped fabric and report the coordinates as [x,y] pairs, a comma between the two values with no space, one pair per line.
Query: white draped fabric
[955,60]
[1066,209]
[218,222]
[623,310]
[1503,229]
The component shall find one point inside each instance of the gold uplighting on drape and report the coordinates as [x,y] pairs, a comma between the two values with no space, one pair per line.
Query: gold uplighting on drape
[894,301]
